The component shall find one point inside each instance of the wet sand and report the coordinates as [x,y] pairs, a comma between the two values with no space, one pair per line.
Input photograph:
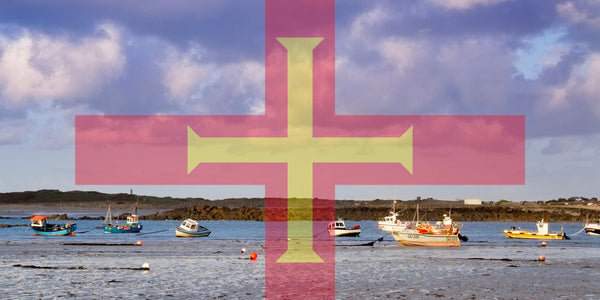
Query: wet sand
[215,269]
[471,272]
[184,270]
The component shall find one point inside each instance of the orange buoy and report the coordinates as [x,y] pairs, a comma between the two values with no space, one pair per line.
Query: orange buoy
[544,244]
[253,255]
[260,249]
[542,258]
[139,243]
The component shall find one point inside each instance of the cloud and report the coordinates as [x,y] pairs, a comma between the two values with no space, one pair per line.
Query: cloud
[425,76]
[558,145]
[52,125]
[363,23]
[402,53]
[201,86]
[464,4]
[581,86]
[541,52]
[183,75]
[48,125]
[35,66]
[571,12]
[12,131]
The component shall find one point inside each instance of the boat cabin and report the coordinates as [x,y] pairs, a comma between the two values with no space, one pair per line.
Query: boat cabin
[189,225]
[38,221]
[337,225]
[390,219]
[542,227]
[132,219]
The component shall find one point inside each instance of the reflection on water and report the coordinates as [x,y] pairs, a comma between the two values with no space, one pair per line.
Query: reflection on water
[487,266]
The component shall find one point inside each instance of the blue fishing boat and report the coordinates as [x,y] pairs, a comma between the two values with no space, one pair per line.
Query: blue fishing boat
[40,226]
[132,226]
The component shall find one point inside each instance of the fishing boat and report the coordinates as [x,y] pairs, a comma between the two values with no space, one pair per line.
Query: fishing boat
[443,233]
[391,223]
[191,228]
[541,233]
[592,228]
[132,226]
[338,228]
[40,226]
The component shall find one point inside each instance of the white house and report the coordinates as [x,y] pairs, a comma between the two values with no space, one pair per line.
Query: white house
[473,201]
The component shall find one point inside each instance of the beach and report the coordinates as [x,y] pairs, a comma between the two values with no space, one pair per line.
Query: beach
[489,266]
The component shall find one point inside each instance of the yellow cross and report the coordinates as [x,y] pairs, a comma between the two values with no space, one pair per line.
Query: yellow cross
[299,149]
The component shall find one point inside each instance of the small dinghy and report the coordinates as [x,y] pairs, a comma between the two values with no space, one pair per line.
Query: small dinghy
[191,228]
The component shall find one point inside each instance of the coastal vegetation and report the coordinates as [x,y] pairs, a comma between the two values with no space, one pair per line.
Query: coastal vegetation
[571,209]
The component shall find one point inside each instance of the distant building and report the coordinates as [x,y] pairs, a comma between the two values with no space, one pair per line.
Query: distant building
[472,201]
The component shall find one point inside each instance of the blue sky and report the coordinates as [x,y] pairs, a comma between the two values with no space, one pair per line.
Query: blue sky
[540,59]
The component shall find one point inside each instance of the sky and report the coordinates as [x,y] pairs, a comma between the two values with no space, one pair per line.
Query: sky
[540,59]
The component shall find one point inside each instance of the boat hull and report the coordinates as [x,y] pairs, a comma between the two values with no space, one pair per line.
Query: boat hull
[62,232]
[344,232]
[592,229]
[190,234]
[122,229]
[414,238]
[533,235]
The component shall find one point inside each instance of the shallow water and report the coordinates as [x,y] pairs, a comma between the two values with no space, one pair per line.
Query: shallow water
[489,266]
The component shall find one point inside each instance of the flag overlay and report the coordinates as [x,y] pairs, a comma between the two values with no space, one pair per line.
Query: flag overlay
[300,149]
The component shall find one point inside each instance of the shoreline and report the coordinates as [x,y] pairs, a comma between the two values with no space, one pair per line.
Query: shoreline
[487,213]
[77,204]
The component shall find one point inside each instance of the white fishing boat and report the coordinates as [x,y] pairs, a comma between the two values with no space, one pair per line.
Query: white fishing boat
[191,228]
[444,233]
[338,228]
[391,222]
[412,237]
[592,228]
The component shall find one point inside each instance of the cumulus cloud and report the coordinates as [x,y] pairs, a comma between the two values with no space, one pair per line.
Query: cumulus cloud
[184,74]
[463,4]
[35,66]
[209,87]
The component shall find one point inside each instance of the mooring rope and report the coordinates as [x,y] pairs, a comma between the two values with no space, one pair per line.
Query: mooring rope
[578,232]
[156,231]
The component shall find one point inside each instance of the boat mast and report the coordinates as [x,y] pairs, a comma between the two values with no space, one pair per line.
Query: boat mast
[417,213]
[108,218]
[136,201]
